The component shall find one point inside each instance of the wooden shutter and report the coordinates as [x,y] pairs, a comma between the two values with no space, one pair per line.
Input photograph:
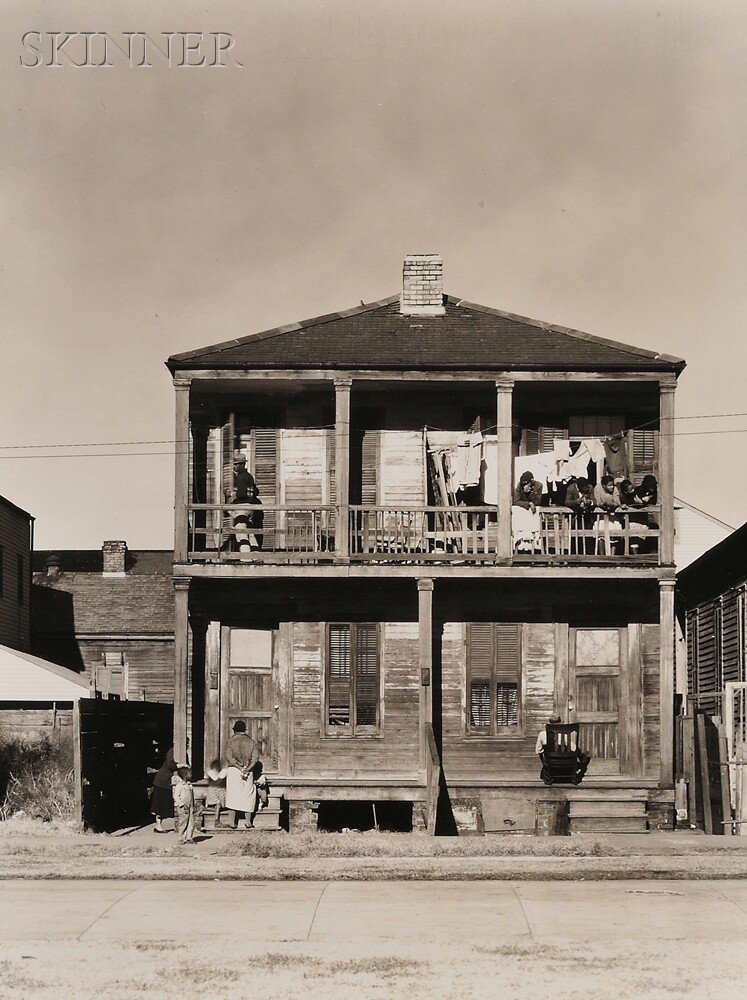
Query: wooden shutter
[109,680]
[546,437]
[643,448]
[731,638]
[507,669]
[264,469]
[708,679]
[338,676]
[331,478]
[480,660]
[692,652]
[369,467]
[366,675]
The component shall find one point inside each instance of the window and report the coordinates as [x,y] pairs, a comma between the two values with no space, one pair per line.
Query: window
[352,679]
[20,579]
[494,679]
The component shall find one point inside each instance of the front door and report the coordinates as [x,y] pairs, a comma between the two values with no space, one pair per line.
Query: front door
[247,690]
[594,690]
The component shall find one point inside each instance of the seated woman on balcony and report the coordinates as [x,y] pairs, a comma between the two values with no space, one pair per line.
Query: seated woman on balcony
[525,521]
[645,495]
[607,500]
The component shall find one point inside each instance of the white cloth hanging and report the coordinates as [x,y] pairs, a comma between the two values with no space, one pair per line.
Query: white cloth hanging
[595,448]
[489,472]
[561,449]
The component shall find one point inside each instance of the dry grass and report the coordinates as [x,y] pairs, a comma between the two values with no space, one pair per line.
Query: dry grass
[237,968]
[36,778]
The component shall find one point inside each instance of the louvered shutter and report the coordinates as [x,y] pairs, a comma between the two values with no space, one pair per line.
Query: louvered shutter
[338,676]
[708,681]
[643,452]
[369,467]
[331,477]
[530,441]
[366,675]
[264,469]
[507,665]
[731,644]
[692,652]
[227,445]
[546,437]
[480,660]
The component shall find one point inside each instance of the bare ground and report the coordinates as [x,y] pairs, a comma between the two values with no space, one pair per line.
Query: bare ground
[165,968]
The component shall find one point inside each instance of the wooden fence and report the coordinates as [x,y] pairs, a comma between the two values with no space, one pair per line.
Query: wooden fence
[117,747]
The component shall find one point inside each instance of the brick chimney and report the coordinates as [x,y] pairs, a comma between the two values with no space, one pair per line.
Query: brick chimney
[114,554]
[52,564]
[422,285]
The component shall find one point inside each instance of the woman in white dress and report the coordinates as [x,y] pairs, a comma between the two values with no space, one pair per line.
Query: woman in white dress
[241,757]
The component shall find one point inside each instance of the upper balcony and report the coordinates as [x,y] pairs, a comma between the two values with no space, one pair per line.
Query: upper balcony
[355,472]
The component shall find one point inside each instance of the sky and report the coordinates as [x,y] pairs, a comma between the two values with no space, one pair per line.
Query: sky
[577,161]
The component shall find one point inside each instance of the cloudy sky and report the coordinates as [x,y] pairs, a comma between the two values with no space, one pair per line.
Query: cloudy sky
[577,161]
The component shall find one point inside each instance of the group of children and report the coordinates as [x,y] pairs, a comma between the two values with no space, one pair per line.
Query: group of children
[215,798]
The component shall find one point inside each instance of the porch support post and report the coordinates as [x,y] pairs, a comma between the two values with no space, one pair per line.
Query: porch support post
[666,681]
[342,468]
[425,663]
[504,389]
[181,472]
[666,474]
[212,692]
[181,667]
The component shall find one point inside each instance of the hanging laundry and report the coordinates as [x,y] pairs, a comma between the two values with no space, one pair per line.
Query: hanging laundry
[561,449]
[469,459]
[542,467]
[616,456]
[596,449]
[578,464]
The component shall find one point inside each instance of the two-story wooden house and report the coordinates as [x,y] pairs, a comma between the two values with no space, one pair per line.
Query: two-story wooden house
[384,609]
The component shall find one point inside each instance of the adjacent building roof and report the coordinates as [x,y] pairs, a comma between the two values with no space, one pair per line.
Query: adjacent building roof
[719,569]
[24,677]
[81,600]
[468,336]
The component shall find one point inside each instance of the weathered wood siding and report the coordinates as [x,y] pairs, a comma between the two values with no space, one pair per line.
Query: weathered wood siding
[304,476]
[544,665]
[402,473]
[15,544]
[475,757]
[650,641]
[149,665]
[395,750]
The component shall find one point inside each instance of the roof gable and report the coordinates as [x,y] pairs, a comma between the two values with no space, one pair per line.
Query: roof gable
[468,336]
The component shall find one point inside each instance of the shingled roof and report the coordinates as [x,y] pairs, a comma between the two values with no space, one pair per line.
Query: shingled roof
[467,337]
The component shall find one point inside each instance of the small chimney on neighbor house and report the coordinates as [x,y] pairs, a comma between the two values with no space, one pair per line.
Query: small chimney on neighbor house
[114,554]
[422,285]
[52,564]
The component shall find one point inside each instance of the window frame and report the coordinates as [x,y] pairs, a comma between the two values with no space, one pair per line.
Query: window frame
[495,732]
[352,730]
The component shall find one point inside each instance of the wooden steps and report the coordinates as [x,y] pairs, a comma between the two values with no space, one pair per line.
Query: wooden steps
[601,814]
[264,819]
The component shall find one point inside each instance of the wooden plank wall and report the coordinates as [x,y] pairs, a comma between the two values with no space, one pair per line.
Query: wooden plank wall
[149,665]
[303,469]
[15,541]
[396,750]
[402,476]
[650,640]
[35,722]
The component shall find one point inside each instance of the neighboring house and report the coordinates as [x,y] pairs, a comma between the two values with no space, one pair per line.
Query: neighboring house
[16,546]
[366,624]
[712,602]
[36,696]
[695,532]
[108,615]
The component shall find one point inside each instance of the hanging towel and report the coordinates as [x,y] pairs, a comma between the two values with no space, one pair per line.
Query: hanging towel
[489,478]
[561,449]
[468,462]
[542,467]
[578,464]
[596,449]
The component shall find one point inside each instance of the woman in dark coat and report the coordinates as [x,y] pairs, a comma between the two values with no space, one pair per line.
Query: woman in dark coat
[162,796]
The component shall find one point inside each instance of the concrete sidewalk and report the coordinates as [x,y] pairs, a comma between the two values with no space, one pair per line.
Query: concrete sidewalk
[442,913]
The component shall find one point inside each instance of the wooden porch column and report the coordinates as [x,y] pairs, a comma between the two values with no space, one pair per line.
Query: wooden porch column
[666,680]
[504,388]
[425,662]
[342,468]
[181,667]
[666,474]
[212,692]
[181,468]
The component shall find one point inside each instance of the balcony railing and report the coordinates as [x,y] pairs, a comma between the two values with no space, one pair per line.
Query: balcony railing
[231,532]
[281,533]
[423,534]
